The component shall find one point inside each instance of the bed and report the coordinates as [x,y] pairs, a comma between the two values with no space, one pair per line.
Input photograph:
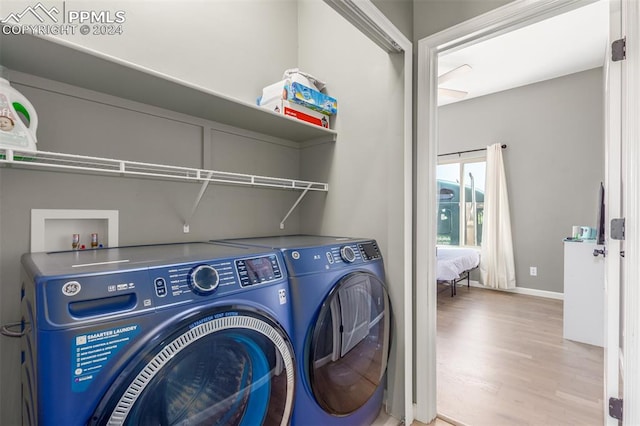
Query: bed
[454,265]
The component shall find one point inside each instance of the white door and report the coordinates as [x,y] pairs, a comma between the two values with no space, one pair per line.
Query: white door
[613,201]
[622,362]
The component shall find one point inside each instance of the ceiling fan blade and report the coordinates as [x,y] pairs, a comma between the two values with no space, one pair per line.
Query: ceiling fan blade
[454,73]
[456,94]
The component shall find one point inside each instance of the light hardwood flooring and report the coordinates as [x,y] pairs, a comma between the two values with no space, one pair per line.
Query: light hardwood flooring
[502,361]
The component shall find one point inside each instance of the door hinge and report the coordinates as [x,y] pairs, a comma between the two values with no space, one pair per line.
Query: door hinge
[619,50]
[617,229]
[615,408]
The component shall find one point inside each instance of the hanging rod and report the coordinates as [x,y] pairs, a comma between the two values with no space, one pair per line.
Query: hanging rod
[470,150]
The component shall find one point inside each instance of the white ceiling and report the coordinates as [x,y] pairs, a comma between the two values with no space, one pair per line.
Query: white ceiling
[565,44]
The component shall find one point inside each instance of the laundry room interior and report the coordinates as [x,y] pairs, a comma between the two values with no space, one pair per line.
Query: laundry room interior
[241,47]
[151,163]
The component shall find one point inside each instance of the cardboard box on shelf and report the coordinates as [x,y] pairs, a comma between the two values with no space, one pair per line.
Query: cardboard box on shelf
[298,111]
[294,91]
[310,98]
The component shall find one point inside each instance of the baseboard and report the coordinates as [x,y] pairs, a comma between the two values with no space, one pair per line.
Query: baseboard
[447,419]
[450,420]
[524,290]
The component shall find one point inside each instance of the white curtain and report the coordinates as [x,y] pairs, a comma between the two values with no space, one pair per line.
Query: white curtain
[497,267]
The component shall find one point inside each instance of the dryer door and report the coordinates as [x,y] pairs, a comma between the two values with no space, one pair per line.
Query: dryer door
[219,368]
[350,344]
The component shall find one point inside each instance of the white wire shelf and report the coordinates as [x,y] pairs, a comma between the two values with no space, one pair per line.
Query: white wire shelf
[81,163]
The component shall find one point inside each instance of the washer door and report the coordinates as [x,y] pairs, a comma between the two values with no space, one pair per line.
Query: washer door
[350,344]
[222,368]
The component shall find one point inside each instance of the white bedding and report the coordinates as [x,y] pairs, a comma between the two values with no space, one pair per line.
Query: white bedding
[452,261]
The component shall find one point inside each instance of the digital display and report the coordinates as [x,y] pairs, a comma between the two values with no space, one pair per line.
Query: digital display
[370,251]
[258,270]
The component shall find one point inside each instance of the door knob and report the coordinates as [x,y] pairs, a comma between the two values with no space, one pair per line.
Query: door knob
[598,252]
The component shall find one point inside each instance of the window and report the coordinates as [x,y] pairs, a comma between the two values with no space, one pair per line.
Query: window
[460,212]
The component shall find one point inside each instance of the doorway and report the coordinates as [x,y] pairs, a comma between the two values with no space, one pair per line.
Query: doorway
[488,368]
[487,26]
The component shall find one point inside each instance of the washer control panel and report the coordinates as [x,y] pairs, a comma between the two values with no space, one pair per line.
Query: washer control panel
[221,276]
[258,270]
[181,281]
[147,282]
[204,279]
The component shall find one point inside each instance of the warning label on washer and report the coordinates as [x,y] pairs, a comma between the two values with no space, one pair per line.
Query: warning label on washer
[91,351]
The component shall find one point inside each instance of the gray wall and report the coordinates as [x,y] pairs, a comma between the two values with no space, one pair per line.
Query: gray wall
[217,44]
[554,162]
[432,16]
[399,12]
[364,167]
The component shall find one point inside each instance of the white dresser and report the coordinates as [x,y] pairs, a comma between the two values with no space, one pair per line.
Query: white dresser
[583,293]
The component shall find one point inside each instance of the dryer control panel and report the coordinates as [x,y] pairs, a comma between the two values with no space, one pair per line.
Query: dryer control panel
[325,258]
[370,250]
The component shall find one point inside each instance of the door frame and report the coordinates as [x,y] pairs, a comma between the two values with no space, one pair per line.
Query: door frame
[507,18]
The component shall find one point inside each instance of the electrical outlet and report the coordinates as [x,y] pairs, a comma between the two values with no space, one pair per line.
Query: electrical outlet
[533,271]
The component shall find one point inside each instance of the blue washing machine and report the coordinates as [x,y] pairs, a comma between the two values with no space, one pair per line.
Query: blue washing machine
[193,333]
[341,314]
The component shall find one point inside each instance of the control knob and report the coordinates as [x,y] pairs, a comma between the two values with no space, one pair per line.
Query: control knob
[347,254]
[204,279]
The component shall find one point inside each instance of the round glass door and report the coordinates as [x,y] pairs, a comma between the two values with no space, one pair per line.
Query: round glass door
[236,369]
[350,344]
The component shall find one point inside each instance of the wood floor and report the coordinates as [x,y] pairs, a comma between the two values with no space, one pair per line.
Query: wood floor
[502,361]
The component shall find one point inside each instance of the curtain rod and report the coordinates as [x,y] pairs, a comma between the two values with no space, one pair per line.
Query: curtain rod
[470,150]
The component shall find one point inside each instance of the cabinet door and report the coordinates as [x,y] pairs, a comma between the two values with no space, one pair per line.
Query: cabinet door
[583,293]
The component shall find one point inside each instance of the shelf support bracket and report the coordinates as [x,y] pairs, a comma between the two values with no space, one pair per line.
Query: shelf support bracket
[203,188]
[295,205]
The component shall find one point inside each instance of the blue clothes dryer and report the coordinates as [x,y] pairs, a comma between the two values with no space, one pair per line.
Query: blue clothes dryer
[341,319]
[192,333]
